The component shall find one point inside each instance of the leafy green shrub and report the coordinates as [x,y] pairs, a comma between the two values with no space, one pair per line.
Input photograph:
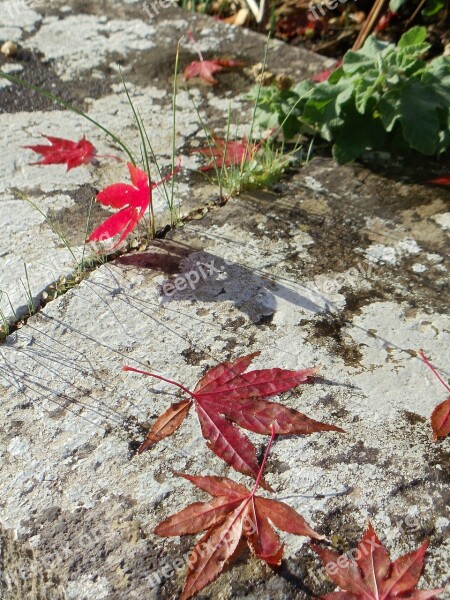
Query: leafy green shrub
[381,97]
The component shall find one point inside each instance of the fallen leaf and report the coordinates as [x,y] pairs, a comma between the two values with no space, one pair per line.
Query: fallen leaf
[444,180]
[226,396]
[440,417]
[60,151]
[440,420]
[205,69]
[166,424]
[228,153]
[132,200]
[370,575]
[234,513]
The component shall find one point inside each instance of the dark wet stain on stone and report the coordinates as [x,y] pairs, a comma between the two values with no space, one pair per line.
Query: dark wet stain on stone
[279,466]
[71,221]
[16,98]
[355,301]
[358,453]
[194,357]
[79,542]
[265,319]
[134,432]
[23,575]
[229,344]
[414,418]
[328,329]
[341,525]
[235,323]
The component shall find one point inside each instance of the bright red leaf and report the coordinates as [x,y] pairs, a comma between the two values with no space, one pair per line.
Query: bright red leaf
[132,200]
[228,153]
[60,151]
[370,575]
[227,395]
[232,514]
[440,417]
[444,180]
[205,69]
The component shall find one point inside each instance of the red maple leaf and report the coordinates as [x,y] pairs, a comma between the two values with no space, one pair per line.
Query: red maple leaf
[206,68]
[444,180]
[233,513]
[61,151]
[440,417]
[370,575]
[132,200]
[227,395]
[228,153]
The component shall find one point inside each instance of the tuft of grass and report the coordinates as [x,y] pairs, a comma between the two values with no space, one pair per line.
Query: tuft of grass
[263,170]
[259,168]
[5,325]
[28,293]
[173,216]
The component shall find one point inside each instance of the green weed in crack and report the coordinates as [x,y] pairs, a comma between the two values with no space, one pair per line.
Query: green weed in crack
[241,164]
[5,322]
[28,293]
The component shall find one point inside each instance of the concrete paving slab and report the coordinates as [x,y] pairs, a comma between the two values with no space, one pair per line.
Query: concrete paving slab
[289,279]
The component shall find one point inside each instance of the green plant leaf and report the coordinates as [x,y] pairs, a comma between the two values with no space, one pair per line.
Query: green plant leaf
[356,61]
[373,47]
[321,104]
[356,135]
[395,5]
[389,108]
[381,94]
[303,87]
[432,7]
[413,37]
[419,119]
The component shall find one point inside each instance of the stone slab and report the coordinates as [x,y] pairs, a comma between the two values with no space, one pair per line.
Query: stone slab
[295,276]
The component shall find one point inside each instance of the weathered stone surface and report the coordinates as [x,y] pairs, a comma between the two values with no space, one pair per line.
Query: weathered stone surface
[287,285]
[83,70]
[344,268]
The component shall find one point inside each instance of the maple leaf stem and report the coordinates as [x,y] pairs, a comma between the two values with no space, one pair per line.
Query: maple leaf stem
[126,368]
[194,44]
[264,460]
[430,366]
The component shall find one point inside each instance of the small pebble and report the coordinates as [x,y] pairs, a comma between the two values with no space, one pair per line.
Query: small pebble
[9,48]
